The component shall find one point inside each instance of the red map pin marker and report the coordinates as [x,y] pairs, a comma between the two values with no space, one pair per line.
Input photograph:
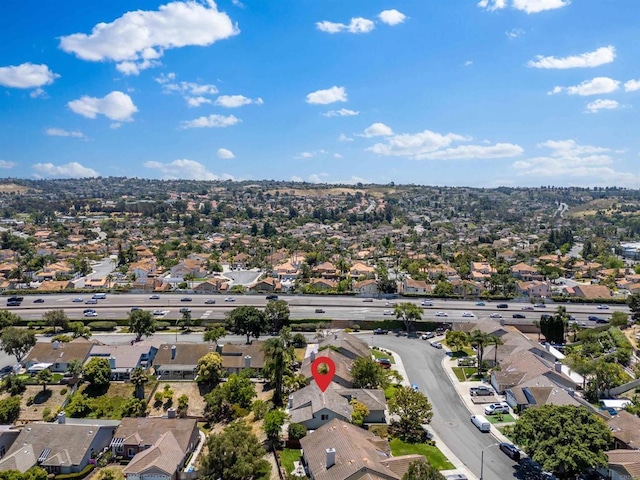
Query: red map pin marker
[323,379]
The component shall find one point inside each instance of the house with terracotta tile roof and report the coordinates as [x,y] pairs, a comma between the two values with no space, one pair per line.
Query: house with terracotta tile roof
[592,292]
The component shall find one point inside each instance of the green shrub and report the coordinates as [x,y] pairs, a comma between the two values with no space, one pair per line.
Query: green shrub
[162,325]
[63,391]
[9,410]
[296,431]
[14,385]
[76,476]
[102,326]
[46,414]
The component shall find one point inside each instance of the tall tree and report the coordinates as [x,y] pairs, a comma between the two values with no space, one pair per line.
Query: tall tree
[234,454]
[412,409]
[634,305]
[367,373]
[214,334]
[210,369]
[8,318]
[74,367]
[456,339]
[421,470]
[273,423]
[247,320]
[277,313]
[138,378]
[496,341]
[479,339]
[409,313]
[56,318]
[43,377]
[141,322]
[17,342]
[277,365]
[563,439]
[97,371]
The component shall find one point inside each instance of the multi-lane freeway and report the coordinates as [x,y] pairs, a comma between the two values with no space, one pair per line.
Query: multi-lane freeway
[302,306]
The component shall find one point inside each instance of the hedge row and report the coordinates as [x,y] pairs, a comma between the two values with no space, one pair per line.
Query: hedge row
[77,476]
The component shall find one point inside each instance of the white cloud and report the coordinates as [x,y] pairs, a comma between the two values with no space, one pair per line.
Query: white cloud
[217,121]
[5,164]
[356,25]
[377,130]
[632,86]
[234,101]
[602,104]
[317,177]
[115,125]
[225,153]
[584,164]
[343,138]
[59,132]
[69,170]
[598,57]
[306,155]
[595,86]
[392,17]
[514,33]
[415,145]
[197,101]
[468,63]
[529,6]
[37,93]
[337,155]
[343,112]
[325,97]
[463,152]
[115,106]
[137,39]
[27,75]
[193,93]
[185,169]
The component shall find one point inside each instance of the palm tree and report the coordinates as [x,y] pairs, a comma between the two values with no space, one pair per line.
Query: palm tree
[138,378]
[109,279]
[277,362]
[479,339]
[495,340]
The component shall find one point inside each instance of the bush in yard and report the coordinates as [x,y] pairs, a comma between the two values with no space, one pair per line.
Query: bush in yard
[14,385]
[102,326]
[97,371]
[296,431]
[9,410]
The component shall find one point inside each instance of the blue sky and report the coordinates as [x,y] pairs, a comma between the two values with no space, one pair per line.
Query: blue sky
[438,92]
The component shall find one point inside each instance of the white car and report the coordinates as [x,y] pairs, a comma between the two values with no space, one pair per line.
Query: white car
[427,303]
[495,315]
[389,304]
[468,314]
[229,299]
[388,312]
[494,408]
[158,312]
[437,345]
[428,335]
[603,307]
[441,314]
[154,297]
[91,314]
[579,324]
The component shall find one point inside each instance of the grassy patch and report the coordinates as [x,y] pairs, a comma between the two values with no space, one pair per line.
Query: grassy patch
[390,391]
[287,457]
[459,374]
[504,418]
[378,354]
[465,373]
[434,456]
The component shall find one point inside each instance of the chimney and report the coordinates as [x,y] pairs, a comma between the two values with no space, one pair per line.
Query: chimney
[558,367]
[62,418]
[313,355]
[331,457]
[290,405]
[112,363]
[173,352]
[171,413]
[56,344]
[247,361]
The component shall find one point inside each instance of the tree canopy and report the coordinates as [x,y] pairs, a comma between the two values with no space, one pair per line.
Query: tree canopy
[142,323]
[209,369]
[247,320]
[412,409]
[277,313]
[97,371]
[409,313]
[56,318]
[421,470]
[563,439]
[367,373]
[17,342]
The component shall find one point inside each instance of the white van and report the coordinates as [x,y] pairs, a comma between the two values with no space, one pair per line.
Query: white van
[481,423]
[99,296]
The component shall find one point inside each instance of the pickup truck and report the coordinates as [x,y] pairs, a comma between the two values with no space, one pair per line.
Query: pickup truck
[480,391]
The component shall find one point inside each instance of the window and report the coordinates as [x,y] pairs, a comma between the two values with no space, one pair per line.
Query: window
[325,417]
[131,452]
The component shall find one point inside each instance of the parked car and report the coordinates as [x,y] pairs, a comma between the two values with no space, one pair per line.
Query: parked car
[39,300]
[519,315]
[319,310]
[502,305]
[480,391]
[510,450]
[457,476]
[211,301]
[154,297]
[380,331]
[603,307]
[437,345]
[384,362]
[442,314]
[494,408]
[428,335]
[186,299]
[495,315]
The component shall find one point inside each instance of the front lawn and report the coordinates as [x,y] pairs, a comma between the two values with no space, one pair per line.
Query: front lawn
[378,354]
[287,457]
[504,418]
[434,456]
[465,373]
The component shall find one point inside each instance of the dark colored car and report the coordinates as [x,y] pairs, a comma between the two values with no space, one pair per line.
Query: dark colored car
[15,298]
[13,303]
[480,391]
[502,305]
[39,300]
[185,310]
[271,297]
[319,310]
[593,318]
[384,362]
[510,450]
[518,315]
[380,331]
[185,299]
[602,320]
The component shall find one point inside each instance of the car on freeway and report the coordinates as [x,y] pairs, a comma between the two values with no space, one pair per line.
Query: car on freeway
[380,331]
[384,362]
[480,304]
[468,314]
[528,308]
[502,305]
[135,309]
[77,300]
[230,299]
[579,324]
[388,312]
[437,345]
[39,300]
[389,304]
[211,301]
[367,300]
[442,314]
[91,314]
[154,297]
[319,310]
[186,299]
[13,303]
[185,310]
[495,315]
[602,320]
[89,310]
[157,313]
[519,315]
[91,301]
[494,408]
[593,318]
[603,307]
[271,297]
[427,335]
[510,450]
[427,303]
[15,298]
[540,305]
[480,391]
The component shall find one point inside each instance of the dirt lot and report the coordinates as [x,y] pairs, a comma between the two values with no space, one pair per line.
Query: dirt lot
[190,389]
[50,398]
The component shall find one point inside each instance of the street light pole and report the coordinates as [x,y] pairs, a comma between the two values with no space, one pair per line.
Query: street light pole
[482,459]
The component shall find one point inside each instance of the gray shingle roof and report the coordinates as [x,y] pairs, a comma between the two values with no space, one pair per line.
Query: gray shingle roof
[147,431]
[165,455]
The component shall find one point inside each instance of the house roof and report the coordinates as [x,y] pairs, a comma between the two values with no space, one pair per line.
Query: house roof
[126,356]
[592,291]
[625,462]
[356,450]
[343,365]
[233,354]
[165,455]
[626,427]
[56,444]
[350,345]
[186,354]
[57,352]
[147,431]
[310,399]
